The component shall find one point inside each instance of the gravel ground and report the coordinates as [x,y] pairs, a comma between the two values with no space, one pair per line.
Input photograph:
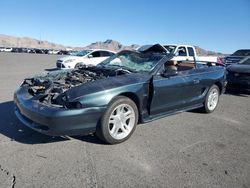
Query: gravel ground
[185,150]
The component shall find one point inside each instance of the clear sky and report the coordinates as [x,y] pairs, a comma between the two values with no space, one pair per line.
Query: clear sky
[220,25]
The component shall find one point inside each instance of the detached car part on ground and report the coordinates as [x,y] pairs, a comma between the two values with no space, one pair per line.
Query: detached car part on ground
[113,97]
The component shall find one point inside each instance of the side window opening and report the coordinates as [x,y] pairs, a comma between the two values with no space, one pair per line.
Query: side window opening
[182,51]
[106,54]
[190,51]
[96,54]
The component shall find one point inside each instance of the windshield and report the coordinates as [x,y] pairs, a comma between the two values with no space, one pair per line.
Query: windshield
[170,48]
[245,61]
[133,61]
[241,53]
[82,53]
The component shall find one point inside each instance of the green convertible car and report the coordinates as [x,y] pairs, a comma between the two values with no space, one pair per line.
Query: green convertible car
[113,97]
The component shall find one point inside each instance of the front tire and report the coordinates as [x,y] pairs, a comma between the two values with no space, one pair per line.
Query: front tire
[119,121]
[77,65]
[212,99]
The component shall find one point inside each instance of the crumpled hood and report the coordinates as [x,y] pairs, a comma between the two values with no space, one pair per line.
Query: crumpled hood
[56,87]
[153,48]
[106,84]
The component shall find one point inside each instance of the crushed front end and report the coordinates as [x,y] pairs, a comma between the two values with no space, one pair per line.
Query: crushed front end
[42,104]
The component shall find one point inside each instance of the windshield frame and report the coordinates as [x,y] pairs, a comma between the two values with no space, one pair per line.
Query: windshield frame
[169,46]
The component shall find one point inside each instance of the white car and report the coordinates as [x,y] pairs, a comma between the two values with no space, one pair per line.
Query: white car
[53,51]
[86,57]
[5,49]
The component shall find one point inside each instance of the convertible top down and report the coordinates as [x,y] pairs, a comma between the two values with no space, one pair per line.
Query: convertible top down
[111,98]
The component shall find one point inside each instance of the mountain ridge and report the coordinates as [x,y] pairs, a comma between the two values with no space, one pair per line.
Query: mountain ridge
[110,44]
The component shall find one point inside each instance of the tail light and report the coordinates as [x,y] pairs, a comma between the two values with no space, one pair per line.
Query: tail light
[219,60]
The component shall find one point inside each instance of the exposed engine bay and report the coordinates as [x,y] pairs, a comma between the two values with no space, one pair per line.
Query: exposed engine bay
[50,88]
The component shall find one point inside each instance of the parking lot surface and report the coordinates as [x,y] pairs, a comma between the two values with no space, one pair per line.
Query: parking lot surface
[190,149]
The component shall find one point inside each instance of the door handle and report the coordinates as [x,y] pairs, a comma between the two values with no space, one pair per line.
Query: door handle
[196,81]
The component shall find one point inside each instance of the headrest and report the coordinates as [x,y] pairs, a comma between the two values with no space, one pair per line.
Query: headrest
[171,63]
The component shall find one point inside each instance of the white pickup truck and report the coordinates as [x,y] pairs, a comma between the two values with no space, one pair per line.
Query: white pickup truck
[182,52]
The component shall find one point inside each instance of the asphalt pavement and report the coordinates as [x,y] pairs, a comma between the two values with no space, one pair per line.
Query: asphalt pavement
[190,149]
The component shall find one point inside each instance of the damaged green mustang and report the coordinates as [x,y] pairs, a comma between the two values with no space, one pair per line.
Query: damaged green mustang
[111,98]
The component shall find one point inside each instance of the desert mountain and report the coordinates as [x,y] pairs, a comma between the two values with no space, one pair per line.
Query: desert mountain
[111,45]
[202,52]
[27,42]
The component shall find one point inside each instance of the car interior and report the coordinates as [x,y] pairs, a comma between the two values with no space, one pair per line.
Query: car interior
[173,65]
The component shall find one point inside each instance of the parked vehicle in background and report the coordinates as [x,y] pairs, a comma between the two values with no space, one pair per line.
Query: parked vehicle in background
[19,50]
[239,74]
[32,50]
[112,97]
[16,50]
[51,51]
[5,49]
[45,51]
[86,57]
[73,52]
[63,52]
[29,50]
[236,56]
[25,50]
[182,52]
[39,51]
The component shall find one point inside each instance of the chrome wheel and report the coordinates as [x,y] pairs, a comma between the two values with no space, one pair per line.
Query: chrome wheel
[213,99]
[121,121]
[118,121]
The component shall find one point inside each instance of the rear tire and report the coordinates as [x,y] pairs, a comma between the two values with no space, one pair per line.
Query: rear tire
[212,99]
[119,121]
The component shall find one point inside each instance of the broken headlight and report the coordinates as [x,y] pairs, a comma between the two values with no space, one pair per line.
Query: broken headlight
[78,105]
[71,105]
[74,105]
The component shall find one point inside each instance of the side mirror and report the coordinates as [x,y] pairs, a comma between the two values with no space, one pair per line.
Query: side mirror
[90,56]
[168,74]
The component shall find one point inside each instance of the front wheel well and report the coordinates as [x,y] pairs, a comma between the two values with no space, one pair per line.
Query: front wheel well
[219,86]
[135,99]
[77,64]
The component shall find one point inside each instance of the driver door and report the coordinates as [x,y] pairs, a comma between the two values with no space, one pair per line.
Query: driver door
[168,94]
[177,91]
